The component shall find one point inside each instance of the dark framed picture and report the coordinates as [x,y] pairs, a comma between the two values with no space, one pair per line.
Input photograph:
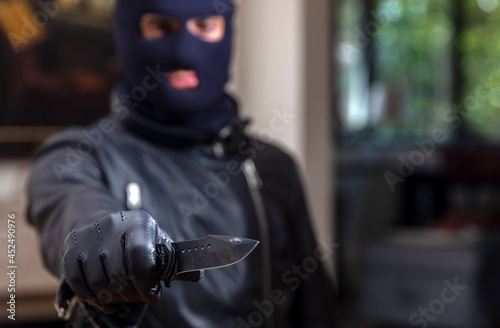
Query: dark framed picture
[57,67]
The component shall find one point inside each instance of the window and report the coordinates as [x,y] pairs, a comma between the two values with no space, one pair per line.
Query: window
[409,67]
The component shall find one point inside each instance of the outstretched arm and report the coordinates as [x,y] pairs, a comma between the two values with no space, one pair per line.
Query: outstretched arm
[106,255]
[65,191]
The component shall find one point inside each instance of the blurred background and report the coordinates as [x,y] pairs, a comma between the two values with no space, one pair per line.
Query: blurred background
[416,115]
[396,126]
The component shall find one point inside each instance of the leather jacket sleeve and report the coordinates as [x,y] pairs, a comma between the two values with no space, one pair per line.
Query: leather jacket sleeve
[316,302]
[66,191]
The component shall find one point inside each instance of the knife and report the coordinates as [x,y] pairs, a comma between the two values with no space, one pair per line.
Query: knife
[211,252]
[178,259]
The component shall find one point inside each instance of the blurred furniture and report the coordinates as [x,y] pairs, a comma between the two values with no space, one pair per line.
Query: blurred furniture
[418,277]
[441,222]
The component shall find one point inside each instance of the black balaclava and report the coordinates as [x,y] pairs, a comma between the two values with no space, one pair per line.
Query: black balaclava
[207,108]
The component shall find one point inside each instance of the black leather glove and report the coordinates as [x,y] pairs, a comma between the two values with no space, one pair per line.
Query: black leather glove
[113,261]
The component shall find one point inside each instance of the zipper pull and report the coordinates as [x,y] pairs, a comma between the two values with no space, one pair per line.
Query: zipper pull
[251,174]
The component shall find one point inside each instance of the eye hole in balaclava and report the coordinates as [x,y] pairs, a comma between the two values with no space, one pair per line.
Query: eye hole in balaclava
[156,26]
[209,29]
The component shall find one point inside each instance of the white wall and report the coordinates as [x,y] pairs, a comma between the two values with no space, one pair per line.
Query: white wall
[282,63]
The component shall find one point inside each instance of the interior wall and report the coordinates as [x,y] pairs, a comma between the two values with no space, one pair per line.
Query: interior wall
[281,69]
[267,66]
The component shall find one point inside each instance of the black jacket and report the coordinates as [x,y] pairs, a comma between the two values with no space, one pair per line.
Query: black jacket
[193,185]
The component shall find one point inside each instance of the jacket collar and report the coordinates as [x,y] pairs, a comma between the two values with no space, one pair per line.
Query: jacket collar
[219,143]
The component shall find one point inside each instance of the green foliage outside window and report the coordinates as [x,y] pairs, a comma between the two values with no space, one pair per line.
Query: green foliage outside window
[409,51]
[412,60]
[479,47]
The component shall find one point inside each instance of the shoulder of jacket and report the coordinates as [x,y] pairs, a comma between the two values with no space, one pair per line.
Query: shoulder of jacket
[271,153]
[82,138]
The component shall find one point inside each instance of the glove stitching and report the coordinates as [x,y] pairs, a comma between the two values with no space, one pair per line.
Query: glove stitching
[125,254]
[98,229]
[84,275]
[122,215]
[103,258]
[126,262]
[73,236]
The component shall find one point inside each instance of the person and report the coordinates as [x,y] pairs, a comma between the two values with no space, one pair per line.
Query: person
[172,161]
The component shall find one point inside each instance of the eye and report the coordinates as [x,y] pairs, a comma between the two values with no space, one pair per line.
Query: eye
[155,26]
[206,25]
[209,29]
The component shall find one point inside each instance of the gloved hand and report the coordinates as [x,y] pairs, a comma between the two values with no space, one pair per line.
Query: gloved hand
[113,261]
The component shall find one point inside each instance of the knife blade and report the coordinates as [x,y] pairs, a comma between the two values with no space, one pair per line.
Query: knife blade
[211,252]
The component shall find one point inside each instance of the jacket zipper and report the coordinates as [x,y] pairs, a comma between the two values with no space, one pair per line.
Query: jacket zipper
[254,185]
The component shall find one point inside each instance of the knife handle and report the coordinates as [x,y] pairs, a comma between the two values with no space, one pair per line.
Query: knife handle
[192,276]
[165,261]
[167,266]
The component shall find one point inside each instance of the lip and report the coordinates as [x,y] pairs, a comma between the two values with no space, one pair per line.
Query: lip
[184,80]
